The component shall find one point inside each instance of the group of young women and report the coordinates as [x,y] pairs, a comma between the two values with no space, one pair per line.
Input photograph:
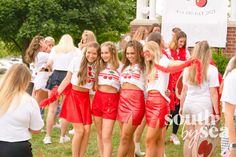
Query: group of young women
[128,91]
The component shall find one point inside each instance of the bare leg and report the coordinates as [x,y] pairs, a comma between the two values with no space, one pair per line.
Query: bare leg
[98,124]
[126,138]
[107,128]
[152,137]
[137,138]
[85,139]
[77,139]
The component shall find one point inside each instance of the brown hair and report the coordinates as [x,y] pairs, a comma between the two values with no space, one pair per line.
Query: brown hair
[175,39]
[13,84]
[83,71]
[114,59]
[33,49]
[155,36]
[153,26]
[202,52]
[138,48]
[140,34]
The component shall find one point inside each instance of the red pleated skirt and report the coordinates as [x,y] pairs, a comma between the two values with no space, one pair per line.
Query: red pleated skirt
[76,107]
[131,104]
[157,108]
[105,105]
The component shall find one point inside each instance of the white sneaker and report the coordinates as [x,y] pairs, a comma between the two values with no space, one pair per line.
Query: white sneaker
[47,140]
[72,132]
[57,125]
[174,139]
[64,139]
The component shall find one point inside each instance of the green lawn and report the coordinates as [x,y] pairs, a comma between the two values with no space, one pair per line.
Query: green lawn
[64,150]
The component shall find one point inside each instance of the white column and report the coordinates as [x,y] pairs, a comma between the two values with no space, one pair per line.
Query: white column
[152,8]
[233,10]
[141,9]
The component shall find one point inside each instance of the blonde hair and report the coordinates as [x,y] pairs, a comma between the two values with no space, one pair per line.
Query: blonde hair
[33,49]
[65,44]
[114,56]
[12,85]
[83,71]
[51,39]
[202,52]
[89,37]
[175,39]
[155,51]
[140,34]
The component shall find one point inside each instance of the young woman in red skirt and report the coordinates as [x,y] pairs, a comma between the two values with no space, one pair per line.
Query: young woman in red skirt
[76,105]
[106,99]
[131,106]
[157,103]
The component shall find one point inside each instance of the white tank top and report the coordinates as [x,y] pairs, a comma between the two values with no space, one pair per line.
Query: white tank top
[133,75]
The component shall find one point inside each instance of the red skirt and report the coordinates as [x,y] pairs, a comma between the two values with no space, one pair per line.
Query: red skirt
[105,105]
[157,108]
[131,104]
[76,107]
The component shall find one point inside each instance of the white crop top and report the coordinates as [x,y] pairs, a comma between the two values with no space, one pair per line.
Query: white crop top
[133,75]
[162,79]
[74,69]
[110,77]
[40,61]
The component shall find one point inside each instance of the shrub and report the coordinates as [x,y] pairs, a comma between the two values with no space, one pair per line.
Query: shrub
[220,60]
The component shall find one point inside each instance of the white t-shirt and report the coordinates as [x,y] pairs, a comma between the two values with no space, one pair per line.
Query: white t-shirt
[162,79]
[20,117]
[74,69]
[110,77]
[228,94]
[40,61]
[198,98]
[133,75]
[61,60]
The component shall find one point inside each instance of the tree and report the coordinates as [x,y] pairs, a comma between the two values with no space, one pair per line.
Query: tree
[20,20]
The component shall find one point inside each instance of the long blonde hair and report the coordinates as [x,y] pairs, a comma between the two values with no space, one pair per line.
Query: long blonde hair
[155,51]
[65,44]
[12,85]
[202,52]
[33,49]
[83,71]
[114,56]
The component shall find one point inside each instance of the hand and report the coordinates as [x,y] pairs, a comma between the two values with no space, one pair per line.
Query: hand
[180,111]
[167,92]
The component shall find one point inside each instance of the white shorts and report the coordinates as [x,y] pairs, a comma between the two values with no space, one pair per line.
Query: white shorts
[40,80]
[197,111]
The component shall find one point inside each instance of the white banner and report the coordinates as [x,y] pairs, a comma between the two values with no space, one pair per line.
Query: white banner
[199,19]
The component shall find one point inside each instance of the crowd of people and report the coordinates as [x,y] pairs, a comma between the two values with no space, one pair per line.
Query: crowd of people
[89,84]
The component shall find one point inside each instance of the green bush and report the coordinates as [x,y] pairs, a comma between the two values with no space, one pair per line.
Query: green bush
[220,60]
[4,51]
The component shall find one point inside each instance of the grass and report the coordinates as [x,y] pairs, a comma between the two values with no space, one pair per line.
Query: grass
[64,150]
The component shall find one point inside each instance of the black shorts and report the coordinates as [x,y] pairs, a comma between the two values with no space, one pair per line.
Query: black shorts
[55,79]
[15,149]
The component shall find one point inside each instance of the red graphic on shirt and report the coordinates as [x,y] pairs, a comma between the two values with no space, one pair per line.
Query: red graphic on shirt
[109,74]
[205,148]
[91,74]
[131,73]
[201,3]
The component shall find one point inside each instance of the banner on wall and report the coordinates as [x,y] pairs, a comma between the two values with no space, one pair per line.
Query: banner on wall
[199,19]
